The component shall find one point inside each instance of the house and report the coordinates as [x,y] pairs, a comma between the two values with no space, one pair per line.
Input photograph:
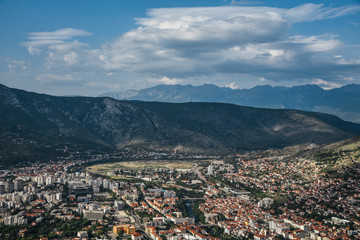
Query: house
[127,228]
[135,236]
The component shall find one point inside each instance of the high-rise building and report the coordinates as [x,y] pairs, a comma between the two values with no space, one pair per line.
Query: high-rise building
[49,180]
[58,196]
[96,189]
[266,202]
[9,186]
[119,205]
[106,184]
[18,185]
[40,180]
[210,169]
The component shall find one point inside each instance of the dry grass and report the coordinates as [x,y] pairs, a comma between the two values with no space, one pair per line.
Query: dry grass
[140,165]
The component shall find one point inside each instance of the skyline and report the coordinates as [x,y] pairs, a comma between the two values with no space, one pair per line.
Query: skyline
[88,48]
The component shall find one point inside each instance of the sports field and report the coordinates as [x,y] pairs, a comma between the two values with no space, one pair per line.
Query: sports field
[141,165]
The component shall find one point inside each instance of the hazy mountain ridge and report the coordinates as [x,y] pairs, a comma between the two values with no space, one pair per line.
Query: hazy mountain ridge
[343,102]
[37,125]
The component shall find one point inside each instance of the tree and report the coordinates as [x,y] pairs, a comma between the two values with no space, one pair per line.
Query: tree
[120,234]
[99,233]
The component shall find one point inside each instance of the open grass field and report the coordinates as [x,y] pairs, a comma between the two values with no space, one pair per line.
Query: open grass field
[140,165]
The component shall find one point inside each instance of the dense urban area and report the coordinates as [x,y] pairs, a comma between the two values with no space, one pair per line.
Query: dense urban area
[250,196]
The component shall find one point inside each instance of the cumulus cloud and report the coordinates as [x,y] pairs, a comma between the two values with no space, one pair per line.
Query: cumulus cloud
[186,43]
[180,42]
[33,51]
[190,40]
[16,65]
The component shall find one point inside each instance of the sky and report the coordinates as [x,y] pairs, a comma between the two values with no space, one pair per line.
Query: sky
[89,47]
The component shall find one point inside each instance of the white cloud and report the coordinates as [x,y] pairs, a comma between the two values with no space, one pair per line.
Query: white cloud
[33,51]
[167,81]
[224,25]
[196,43]
[312,12]
[321,43]
[58,45]
[56,40]
[180,42]
[67,46]
[262,79]
[232,85]
[16,65]
[70,58]
[58,35]
[350,62]
[325,84]
[348,79]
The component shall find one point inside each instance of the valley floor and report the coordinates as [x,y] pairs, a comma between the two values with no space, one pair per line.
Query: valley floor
[251,196]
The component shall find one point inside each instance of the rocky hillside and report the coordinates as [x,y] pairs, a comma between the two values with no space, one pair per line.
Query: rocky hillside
[341,159]
[37,126]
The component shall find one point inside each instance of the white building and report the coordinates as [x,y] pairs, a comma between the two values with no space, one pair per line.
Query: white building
[265,203]
[210,169]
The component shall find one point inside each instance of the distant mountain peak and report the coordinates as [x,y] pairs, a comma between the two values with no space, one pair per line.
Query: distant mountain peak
[308,97]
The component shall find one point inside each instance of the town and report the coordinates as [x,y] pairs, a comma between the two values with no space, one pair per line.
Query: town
[250,196]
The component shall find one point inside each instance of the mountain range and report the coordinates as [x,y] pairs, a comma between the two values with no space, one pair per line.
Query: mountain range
[343,102]
[38,127]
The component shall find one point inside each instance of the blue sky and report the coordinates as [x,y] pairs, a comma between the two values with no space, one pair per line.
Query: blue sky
[83,47]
